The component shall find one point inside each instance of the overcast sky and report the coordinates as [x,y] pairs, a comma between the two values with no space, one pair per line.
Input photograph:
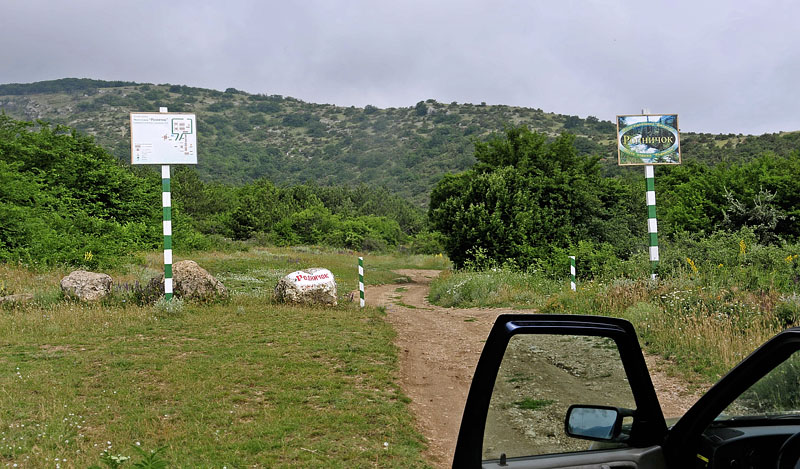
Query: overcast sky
[722,66]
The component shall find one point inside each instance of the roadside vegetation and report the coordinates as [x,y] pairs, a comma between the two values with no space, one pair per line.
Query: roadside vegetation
[716,299]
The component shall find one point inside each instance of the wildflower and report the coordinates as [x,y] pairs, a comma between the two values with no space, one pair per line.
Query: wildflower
[742,247]
[691,263]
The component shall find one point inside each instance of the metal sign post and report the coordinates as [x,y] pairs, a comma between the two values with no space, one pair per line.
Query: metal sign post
[652,221]
[166,205]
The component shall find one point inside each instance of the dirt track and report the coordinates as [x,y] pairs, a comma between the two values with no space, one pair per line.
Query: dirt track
[438,350]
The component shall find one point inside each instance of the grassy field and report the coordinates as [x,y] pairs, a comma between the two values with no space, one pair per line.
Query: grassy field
[239,383]
[246,382]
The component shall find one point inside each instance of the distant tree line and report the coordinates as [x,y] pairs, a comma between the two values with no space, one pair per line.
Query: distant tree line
[359,218]
[63,85]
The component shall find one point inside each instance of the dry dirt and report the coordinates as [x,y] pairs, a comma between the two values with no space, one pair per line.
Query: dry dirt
[439,348]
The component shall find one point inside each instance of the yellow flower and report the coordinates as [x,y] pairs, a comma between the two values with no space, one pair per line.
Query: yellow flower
[88,256]
[691,263]
[742,247]
[790,258]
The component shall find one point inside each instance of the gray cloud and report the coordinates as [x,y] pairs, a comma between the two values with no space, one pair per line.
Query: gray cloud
[722,66]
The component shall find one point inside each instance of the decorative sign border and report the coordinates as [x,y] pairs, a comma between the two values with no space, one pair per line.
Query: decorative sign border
[648,139]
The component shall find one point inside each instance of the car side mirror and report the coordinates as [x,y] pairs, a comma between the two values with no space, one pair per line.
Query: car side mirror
[597,423]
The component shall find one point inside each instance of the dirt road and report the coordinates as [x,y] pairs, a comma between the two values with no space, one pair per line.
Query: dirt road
[439,348]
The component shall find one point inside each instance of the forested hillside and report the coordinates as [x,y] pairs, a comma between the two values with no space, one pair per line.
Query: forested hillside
[243,137]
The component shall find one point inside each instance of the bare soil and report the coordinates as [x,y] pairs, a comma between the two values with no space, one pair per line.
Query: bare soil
[439,348]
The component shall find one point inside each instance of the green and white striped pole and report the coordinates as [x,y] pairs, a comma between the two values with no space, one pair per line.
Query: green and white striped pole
[652,222]
[572,273]
[361,281]
[166,203]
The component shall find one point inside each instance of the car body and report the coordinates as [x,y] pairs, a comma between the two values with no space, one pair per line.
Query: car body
[750,418]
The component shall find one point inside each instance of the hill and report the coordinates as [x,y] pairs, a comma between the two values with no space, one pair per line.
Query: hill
[243,136]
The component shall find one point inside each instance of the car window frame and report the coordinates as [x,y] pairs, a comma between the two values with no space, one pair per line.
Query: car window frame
[649,427]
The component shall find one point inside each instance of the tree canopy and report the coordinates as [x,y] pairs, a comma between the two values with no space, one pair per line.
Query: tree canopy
[525,196]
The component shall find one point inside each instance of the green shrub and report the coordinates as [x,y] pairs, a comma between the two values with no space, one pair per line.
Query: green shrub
[787,311]
[65,200]
[427,242]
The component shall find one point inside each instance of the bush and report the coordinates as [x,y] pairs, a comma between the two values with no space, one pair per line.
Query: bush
[787,311]
[427,242]
[592,261]
[525,197]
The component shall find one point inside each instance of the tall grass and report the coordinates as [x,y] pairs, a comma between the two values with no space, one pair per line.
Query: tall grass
[497,287]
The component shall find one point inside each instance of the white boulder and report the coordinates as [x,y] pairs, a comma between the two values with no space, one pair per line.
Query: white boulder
[309,286]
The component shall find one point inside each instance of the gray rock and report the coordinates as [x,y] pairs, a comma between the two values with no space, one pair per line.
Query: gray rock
[311,286]
[86,286]
[19,298]
[192,282]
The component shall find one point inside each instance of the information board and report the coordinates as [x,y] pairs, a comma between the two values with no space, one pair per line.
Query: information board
[647,139]
[163,138]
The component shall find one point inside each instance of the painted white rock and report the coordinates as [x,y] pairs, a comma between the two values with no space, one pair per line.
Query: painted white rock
[309,286]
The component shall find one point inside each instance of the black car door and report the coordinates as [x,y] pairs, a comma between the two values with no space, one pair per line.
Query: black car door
[750,418]
[536,369]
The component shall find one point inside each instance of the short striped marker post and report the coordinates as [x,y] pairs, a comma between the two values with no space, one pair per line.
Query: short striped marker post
[572,273]
[652,222]
[361,281]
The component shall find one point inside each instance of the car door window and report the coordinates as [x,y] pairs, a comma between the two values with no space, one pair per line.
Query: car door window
[540,376]
[776,394]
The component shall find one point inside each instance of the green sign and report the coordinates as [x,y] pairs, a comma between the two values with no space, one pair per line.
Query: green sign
[646,139]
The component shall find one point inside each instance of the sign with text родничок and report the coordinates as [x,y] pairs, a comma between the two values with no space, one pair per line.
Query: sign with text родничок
[305,280]
[163,138]
[646,139]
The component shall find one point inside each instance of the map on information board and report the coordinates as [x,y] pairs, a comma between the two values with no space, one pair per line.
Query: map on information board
[163,138]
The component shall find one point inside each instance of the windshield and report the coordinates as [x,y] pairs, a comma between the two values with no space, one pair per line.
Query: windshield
[776,395]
